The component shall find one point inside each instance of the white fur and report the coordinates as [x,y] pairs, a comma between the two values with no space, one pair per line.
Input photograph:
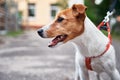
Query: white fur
[44,29]
[71,2]
[92,43]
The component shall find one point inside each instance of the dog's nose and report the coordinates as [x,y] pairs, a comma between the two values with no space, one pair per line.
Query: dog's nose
[40,32]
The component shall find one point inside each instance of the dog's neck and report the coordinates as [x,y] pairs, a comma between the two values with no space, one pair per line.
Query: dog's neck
[92,42]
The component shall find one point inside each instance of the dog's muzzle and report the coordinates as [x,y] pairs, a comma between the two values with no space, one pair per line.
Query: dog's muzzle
[40,32]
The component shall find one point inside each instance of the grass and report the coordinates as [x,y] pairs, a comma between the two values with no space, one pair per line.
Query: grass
[116,36]
[14,33]
[104,32]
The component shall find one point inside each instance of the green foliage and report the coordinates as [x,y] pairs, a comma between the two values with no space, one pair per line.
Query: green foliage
[91,10]
[14,33]
[102,10]
[117,7]
[116,36]
[104,32]
[63,4]
[97,12]
[20,14]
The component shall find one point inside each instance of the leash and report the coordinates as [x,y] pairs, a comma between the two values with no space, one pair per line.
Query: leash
[105,26]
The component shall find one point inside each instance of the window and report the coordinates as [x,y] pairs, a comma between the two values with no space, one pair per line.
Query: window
[54,10]
[53,13]
[31,10]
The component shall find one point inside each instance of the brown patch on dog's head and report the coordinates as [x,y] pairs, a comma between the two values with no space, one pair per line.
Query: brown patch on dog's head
[68,23]
[78,9]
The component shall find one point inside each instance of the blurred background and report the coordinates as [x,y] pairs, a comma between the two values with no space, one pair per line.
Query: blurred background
[25,56]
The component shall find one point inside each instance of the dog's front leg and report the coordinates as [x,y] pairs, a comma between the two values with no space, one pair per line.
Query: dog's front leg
[76,71]
[114,74]
[81,73]
[98,76]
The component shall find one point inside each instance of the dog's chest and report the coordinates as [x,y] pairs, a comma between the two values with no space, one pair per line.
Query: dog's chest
[97,65]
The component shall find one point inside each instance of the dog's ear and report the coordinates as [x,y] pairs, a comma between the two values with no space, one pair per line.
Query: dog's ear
[78,9]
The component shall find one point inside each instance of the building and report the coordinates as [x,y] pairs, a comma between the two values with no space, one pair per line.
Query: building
[35,13]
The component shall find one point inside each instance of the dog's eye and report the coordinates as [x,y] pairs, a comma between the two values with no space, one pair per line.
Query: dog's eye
[60,19]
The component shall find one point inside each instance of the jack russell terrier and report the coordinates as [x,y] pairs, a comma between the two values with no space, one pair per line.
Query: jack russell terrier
[73,25]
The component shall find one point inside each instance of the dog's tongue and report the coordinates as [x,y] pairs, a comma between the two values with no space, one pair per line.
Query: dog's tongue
[56,40]
[52,44]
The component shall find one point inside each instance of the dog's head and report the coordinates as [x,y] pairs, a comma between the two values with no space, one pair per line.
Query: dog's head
[67,25]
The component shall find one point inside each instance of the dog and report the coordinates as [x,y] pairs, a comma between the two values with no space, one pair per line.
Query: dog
[73,25]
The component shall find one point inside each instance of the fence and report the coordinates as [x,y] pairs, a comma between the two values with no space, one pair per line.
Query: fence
[8,16]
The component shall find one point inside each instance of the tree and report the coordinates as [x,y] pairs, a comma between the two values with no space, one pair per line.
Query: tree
[117,7]
[91,10]
[97,12]
[63,4]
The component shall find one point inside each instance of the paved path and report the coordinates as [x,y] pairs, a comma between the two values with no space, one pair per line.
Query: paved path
[27,57]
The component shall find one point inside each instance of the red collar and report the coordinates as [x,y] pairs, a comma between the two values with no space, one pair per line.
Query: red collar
[89,59]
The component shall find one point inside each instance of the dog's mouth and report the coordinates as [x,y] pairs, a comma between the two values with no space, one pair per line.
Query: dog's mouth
[57,39]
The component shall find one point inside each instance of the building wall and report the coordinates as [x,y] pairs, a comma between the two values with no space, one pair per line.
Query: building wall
[42,12]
